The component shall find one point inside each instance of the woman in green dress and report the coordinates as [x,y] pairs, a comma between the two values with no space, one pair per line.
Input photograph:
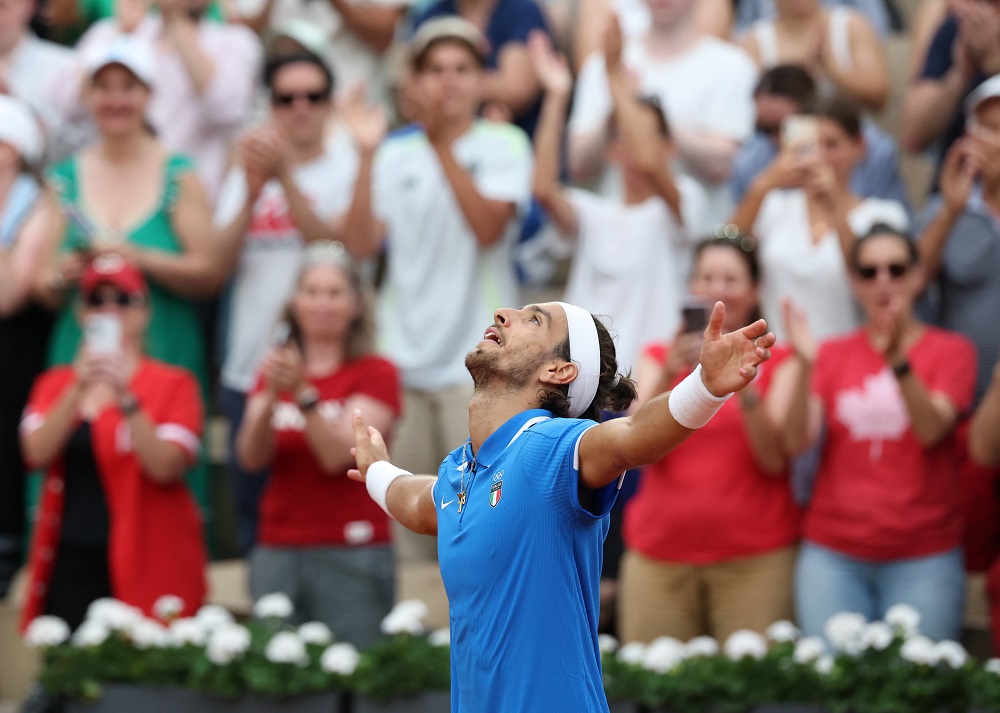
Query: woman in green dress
[126,194]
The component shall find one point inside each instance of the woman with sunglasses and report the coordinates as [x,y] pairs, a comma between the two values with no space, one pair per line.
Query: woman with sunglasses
[321,540]
[710,535]
[114,432]
[805,216]
[884,525]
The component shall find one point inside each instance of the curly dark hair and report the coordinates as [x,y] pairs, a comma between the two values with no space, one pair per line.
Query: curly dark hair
[611,396]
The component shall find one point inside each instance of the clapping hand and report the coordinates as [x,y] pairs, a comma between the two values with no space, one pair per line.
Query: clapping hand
[283,370]
[550,66]
[369,447]
[958,173]
[729,361]
[367,123]
[797,329]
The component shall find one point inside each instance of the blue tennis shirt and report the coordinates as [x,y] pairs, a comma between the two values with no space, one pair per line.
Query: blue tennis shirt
[521,564]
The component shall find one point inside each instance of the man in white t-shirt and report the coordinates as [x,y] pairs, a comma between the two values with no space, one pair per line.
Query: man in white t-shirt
[292,187]
[632,254]
[706,88]
[445,198]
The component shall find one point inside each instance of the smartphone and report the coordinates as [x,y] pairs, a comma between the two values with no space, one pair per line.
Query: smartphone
[282,333]
[695,313]
[103,334]
[800,133]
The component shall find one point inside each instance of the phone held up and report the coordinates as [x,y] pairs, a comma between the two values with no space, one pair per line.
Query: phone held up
[800,133]
[103,334]
[695,313]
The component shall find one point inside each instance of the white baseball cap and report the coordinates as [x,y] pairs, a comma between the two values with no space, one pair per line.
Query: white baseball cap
[989,89]
[20,129]
[132,53]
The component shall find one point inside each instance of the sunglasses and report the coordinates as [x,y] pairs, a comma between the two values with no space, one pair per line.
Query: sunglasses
[119,299]
[895,270]
[314,98]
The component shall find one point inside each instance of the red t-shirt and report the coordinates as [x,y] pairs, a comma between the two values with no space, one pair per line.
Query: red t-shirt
[879,493]
[156,541]
[707,500]
[302,505]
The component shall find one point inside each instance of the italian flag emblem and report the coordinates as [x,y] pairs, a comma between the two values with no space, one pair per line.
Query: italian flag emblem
[495,492]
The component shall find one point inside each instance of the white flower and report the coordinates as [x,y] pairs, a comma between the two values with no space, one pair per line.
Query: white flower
[212,616]
[951,652]
[440,637]
[168,607]
[607,643]
[286,647]
[919,650]
[824,665]
[315,632]
[878,635]
[404,620]
[46,631]
[782,631]
[340,658]
[809,648]
[148,634]
[845,631]
[114,614]
[226,643]
[189,630]
[273,606]
[91,632]
[993,666]
[632,653]
[743,643]
[411,608]
[663,654]
[701,646]
[904,618]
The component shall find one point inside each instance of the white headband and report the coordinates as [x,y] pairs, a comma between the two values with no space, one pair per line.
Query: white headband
[585,352]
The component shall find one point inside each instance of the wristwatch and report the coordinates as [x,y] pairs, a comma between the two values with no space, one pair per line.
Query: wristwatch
[129,405]
[308,399]
[901,369]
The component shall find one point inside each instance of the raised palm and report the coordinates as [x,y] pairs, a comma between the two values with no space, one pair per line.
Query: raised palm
[367,123]
[729,361]
[550,66]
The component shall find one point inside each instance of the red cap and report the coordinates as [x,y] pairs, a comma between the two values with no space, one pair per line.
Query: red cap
[111,269]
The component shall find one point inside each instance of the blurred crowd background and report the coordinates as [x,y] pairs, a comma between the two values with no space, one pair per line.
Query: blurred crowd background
[226,225]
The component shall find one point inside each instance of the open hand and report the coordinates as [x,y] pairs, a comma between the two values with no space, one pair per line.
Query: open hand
[367,123]
[957,175]
[369,447]
[797,329]
[550,66]
[729,361]
[613,42]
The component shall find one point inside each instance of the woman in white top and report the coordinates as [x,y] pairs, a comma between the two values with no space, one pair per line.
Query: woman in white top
[804,215]
[838,45]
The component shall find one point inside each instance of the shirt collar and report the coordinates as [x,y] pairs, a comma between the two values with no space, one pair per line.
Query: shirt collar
[507,433]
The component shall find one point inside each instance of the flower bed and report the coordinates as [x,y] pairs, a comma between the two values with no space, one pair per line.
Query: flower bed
[209,664]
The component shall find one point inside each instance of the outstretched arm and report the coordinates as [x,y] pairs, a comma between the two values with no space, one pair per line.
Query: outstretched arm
[728,363]
[407,498]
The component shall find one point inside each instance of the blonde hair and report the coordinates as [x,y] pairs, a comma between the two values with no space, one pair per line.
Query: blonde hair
[361,333]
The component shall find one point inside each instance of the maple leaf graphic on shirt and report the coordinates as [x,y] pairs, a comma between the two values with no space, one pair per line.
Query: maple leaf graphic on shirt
[874,412]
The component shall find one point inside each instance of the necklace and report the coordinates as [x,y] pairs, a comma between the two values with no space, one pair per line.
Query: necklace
[471,468]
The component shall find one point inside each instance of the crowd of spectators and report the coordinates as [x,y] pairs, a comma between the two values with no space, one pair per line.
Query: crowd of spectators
[272,213]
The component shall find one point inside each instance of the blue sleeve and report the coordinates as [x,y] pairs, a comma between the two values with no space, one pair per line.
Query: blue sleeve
[939,52]
[550,463]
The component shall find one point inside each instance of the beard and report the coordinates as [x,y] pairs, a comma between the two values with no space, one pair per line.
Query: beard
[495,371]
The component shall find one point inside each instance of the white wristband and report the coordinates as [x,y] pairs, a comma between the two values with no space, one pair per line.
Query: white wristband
[380,476]
[691,403]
